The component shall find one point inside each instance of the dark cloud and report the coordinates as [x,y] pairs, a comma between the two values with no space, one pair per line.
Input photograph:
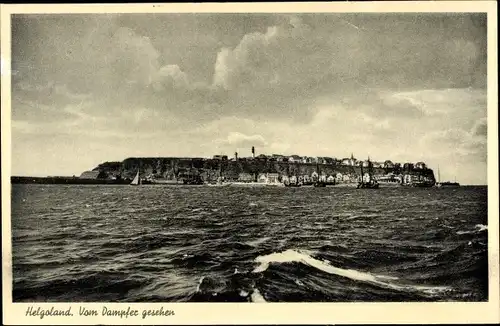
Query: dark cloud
[272,65]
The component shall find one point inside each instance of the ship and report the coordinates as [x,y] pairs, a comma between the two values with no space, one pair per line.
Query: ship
[368,181]
[390,180]
[318,183]
[416,181]
[447,184]
[137,180]
[440,184]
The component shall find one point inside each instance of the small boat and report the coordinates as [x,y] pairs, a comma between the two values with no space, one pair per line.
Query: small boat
[367,180]
[137,180]
[318,183]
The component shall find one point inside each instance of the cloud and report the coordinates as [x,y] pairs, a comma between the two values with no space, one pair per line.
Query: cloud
[241,140]
[313,84]
[170,76]
[238,65]
[480,127]
[457,144]
[279,72]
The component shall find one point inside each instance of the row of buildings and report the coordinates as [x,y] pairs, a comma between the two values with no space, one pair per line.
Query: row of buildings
[277,177]
[348,161]
[335,178]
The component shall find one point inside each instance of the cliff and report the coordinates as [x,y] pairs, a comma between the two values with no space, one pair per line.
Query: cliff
[172,168]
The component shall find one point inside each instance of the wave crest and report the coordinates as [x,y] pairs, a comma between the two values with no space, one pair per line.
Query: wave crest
[305,257]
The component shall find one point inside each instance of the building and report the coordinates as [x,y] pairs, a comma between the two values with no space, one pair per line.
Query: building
[220,157]
[350,161]
[273,177]
[328,160]
[345,161]
[262,178]
[294,159]
[319,160]
[420,165]
[245,177]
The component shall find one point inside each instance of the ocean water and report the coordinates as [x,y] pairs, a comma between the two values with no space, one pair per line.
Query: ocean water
[97,243]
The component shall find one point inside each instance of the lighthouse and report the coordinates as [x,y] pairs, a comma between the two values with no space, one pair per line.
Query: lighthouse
[253,152]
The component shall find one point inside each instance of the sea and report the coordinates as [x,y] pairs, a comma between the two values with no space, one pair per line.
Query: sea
[111,243]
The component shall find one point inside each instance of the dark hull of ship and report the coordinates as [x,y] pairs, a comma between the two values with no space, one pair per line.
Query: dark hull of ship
[389,184]
[447,184]
[419,184]
[368,185]
[293,185]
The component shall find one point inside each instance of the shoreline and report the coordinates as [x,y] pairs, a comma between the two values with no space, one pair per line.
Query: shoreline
[79,181]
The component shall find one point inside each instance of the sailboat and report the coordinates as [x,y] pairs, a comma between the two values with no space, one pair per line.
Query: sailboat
[440,184]
[137,180]
[368,181]
[318,183]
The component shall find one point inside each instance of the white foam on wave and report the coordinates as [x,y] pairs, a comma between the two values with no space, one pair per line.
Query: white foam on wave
[304,257]
[200,281]
[257,297]
[478,228]
[258,241]
[481,227]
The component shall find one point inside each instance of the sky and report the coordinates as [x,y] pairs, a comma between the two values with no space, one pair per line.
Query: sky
[89,88]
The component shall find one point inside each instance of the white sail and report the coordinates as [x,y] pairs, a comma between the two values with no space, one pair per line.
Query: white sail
[136,179]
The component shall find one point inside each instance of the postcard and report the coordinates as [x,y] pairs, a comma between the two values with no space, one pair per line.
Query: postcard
[250,163]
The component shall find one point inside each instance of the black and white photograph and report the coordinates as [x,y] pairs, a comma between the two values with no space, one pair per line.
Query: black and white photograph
[261,157]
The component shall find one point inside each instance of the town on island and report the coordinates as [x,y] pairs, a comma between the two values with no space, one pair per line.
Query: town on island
[254,170]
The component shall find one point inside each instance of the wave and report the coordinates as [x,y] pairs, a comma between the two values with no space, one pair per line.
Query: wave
[256,242]
[481,227]
[98,286]
[478,228]
[257,297]
[304,257]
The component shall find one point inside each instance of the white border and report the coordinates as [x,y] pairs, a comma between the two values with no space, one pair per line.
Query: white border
[269,313]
